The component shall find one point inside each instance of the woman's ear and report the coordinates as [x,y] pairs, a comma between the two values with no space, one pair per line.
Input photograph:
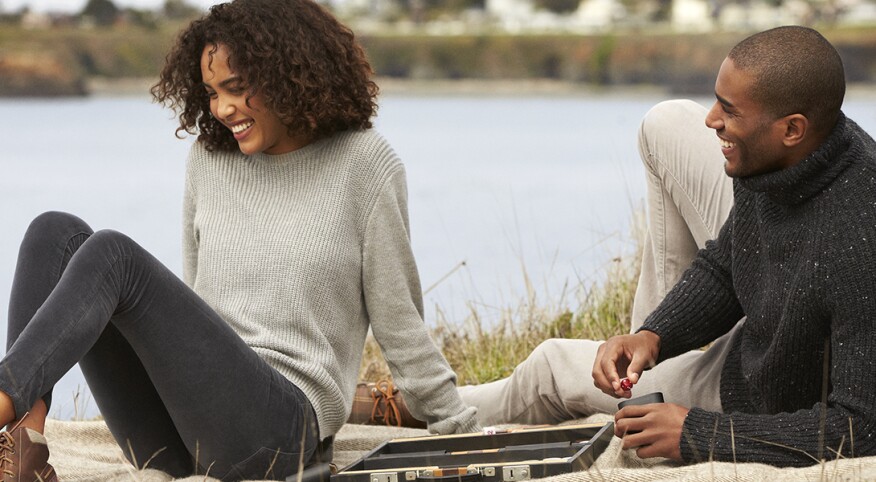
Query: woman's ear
[796,129]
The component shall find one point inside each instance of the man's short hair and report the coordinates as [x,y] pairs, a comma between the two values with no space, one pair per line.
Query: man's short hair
[796,71]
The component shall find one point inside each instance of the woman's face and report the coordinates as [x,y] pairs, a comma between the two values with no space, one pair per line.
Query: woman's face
[255,127]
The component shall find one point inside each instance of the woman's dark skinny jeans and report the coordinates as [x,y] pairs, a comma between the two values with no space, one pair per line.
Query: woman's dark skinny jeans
[178,388]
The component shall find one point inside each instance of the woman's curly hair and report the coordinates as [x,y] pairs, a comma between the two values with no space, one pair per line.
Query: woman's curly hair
[305,64]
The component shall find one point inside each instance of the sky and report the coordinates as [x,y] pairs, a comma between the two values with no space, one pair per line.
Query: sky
[71,6]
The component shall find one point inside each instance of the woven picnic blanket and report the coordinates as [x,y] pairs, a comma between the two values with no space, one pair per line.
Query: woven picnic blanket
[85,451]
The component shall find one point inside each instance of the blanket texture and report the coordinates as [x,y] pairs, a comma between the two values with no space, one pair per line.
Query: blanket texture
[85,451]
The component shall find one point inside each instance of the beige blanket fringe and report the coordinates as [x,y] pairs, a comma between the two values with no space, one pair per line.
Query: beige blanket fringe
[85,451]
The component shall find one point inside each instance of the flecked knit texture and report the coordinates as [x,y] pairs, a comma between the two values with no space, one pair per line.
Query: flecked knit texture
[797,257]
[300,253]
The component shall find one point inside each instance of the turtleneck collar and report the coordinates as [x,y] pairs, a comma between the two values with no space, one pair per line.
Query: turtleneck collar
[810,176]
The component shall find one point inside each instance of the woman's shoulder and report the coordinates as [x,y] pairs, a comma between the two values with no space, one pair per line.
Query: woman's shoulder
[367,150]
[363,140]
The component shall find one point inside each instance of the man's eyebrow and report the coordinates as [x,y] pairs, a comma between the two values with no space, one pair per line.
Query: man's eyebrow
[723,100]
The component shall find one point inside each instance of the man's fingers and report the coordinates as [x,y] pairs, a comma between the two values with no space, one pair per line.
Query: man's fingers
[654,429]
[609,370]
[632,411]
[604,369]
[637,365]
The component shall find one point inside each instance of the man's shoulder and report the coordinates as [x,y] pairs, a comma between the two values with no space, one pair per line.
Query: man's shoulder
[862,147]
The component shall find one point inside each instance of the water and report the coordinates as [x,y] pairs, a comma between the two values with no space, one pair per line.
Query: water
[545,184]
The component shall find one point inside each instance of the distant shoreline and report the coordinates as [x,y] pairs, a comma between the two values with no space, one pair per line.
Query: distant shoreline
[102,87]
[132,87]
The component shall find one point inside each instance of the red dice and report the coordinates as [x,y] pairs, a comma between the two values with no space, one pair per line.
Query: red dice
[626,384]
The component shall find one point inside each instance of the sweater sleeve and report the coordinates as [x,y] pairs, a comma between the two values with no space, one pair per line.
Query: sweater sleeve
[189,237]
[702,306]
[395,308]
[844,422]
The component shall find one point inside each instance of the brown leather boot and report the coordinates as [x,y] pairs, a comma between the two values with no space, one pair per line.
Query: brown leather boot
[381,403]
[24,456]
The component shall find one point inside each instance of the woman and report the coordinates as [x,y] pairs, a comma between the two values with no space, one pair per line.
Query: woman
[295,241]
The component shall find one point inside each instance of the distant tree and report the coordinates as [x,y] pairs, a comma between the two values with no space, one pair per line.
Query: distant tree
[142,18]
[558,6]
[423,10]
[104,12]
[179,10]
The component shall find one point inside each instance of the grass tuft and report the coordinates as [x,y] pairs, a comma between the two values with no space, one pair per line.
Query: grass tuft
[479,353]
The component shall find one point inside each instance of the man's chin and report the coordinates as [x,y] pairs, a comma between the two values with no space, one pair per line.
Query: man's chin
[730,169]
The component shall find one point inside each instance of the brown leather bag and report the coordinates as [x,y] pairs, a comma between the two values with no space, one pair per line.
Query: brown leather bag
[381,403]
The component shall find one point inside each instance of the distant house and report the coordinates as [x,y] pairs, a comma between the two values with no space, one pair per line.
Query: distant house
[760,15]
[599,15]
[35,20]
[373,9]
[691,16]
[858,12]
[512,15]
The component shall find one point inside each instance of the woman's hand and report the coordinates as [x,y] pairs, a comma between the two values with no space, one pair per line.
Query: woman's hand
[654,430]
[624,356]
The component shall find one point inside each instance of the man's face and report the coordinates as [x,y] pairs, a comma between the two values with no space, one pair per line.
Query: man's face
[751,138]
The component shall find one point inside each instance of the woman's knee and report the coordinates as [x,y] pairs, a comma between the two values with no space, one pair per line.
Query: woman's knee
[54,232]
[110,242]
[53,224]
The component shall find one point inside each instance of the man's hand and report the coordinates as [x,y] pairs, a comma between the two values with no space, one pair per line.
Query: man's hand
[624,356]
[654,430]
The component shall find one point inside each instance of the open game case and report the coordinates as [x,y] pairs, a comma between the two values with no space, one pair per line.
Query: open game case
[503,456]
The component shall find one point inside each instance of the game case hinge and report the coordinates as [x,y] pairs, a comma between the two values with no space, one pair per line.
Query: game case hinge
[513,473]
[384,477]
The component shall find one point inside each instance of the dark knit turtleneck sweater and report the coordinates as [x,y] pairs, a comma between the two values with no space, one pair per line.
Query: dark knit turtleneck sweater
[797,257]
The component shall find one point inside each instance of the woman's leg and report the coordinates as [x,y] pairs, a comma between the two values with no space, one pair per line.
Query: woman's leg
[50,241]
[233,413]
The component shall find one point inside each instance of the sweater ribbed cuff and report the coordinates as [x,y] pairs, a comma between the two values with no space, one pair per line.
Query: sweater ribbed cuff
[700,436]
[463,422]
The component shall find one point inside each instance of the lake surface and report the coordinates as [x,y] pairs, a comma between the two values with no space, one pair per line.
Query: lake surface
[518,187]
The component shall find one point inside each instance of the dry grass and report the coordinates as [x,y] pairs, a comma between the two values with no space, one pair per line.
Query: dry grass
[479,354]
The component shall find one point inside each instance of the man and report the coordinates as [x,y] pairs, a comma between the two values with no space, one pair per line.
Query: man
[789,384]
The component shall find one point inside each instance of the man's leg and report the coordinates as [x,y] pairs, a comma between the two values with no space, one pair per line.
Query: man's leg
[554,384]
[689,197]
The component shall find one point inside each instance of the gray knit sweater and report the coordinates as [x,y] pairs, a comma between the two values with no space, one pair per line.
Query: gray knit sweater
[300,253]
[797,256]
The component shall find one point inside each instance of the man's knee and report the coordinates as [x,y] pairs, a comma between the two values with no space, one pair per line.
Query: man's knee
[665,122]
[554,360]
[541,355]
